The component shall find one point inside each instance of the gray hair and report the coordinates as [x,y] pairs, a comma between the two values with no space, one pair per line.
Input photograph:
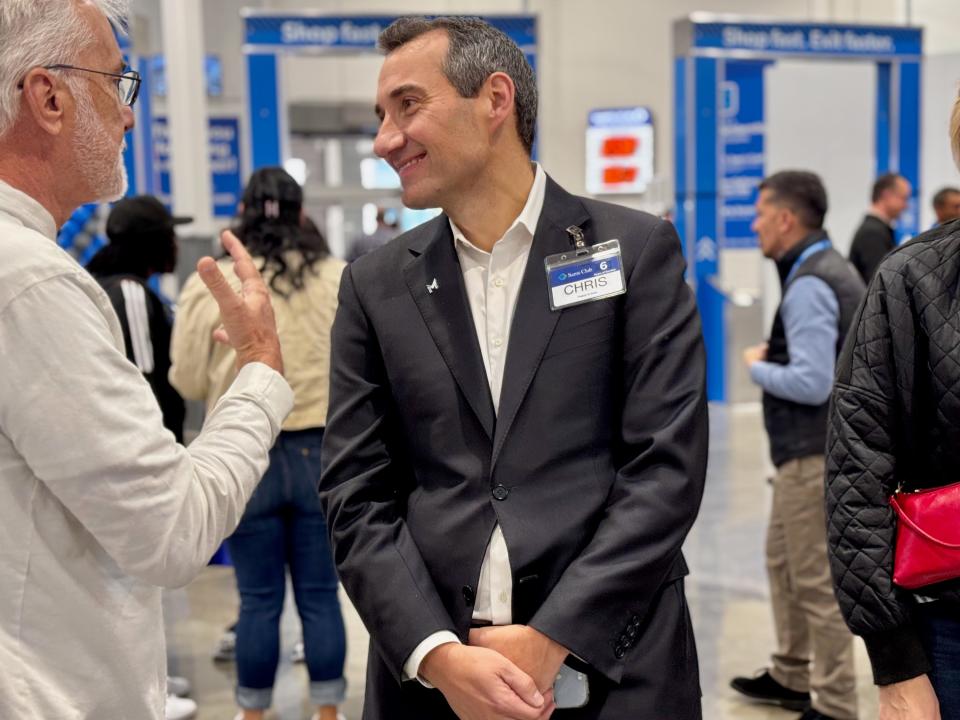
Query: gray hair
[34,33]
[477,50]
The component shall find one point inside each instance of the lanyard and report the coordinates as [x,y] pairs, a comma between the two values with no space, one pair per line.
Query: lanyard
[805,255]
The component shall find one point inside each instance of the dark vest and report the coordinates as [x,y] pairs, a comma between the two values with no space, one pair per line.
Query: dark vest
[797,430]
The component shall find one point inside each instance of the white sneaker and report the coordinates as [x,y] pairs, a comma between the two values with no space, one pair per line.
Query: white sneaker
[179,708]
[298,654]
[226,650]
[178,686]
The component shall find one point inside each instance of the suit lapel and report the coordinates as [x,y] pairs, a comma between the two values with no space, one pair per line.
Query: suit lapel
[533,320]
[446,312]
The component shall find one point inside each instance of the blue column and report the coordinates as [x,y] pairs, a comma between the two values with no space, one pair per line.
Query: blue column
[909,143]
[706,250]
[883,118]
[263,95]
[144,130]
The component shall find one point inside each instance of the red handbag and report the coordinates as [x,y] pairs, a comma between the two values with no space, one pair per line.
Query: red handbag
[928,536]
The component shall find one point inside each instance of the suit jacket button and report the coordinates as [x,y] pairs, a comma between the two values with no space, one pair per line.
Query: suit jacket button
[500,492]
[619,652]
[468,596]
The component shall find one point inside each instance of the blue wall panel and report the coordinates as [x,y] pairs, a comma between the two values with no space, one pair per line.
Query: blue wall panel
[263,94]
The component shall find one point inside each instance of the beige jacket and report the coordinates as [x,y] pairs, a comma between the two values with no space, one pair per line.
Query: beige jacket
[202,369]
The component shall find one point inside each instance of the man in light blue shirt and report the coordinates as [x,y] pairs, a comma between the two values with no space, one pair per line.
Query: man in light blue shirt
[821,293]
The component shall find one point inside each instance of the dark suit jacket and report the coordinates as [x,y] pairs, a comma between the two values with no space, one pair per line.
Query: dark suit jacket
[871,243]
[594,466]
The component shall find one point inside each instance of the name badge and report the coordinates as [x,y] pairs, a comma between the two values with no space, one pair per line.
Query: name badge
[585,275]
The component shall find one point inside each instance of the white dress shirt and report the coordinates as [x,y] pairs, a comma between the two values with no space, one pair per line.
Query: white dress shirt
[492,281]
[99,506]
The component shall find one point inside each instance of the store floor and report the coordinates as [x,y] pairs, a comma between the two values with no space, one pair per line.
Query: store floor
[727,591]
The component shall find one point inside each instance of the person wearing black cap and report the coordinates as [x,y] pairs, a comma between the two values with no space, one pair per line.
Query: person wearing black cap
[143,242]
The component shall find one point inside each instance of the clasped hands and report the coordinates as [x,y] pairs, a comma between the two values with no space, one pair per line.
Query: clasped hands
[505,673]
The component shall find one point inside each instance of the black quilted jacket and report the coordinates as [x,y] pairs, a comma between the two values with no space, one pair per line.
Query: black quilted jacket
[894,419]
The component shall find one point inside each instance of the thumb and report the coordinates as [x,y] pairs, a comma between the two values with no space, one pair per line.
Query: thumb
[522,684]
[220,335]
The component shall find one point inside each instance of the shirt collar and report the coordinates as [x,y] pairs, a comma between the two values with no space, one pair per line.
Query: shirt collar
[28,212]
[528,217]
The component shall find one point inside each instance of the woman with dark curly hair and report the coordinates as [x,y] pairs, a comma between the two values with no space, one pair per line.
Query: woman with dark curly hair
[895,424]
[282,526]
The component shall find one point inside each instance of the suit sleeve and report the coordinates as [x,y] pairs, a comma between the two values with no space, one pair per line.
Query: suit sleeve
[659,484]
[362,490]
[862,452]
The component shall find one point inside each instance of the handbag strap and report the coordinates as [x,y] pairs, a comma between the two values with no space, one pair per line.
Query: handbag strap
[916,528]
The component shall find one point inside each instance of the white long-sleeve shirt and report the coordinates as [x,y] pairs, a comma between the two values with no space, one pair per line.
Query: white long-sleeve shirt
[492,280]
[99,506]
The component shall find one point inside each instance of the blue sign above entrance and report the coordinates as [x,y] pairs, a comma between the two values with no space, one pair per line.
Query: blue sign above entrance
[786,38]
[330,32]
[357,32]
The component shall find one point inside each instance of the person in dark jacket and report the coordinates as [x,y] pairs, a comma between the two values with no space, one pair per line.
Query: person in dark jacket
[143,243]
[821,293]
[875,237]
[895,422]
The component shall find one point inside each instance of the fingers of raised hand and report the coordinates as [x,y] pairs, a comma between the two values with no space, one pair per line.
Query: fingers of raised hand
[215,281]
[243,264]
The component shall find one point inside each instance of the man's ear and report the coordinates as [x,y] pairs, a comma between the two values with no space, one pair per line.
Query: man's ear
[501,92]
[788,220]
[44,99]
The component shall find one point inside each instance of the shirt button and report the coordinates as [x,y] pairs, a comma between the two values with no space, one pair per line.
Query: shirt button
[498,282]
[500,493]
[497,342]
[503,597]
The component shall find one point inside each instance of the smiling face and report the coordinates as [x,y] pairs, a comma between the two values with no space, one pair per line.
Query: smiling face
[436,140]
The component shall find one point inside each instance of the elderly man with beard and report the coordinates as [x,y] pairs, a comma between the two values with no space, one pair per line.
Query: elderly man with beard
[99,505]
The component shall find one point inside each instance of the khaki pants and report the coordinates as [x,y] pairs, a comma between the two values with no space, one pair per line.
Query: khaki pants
[814,646]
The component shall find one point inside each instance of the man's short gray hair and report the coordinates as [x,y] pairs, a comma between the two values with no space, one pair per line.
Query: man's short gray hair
[34,33]
[477,50]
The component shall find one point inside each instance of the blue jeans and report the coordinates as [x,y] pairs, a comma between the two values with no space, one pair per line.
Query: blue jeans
[283,527]
[939,624]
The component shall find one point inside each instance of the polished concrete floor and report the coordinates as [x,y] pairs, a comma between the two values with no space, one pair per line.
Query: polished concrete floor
[727,591]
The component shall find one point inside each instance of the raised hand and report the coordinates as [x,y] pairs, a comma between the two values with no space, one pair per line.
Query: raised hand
[248,322]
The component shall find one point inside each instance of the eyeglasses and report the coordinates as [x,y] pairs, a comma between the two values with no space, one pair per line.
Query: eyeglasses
[128,82]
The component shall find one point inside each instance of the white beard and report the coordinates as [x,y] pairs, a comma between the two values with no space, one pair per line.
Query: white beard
[98,161]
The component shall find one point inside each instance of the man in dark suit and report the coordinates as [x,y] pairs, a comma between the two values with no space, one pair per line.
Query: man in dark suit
[875,237]
[508,485]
